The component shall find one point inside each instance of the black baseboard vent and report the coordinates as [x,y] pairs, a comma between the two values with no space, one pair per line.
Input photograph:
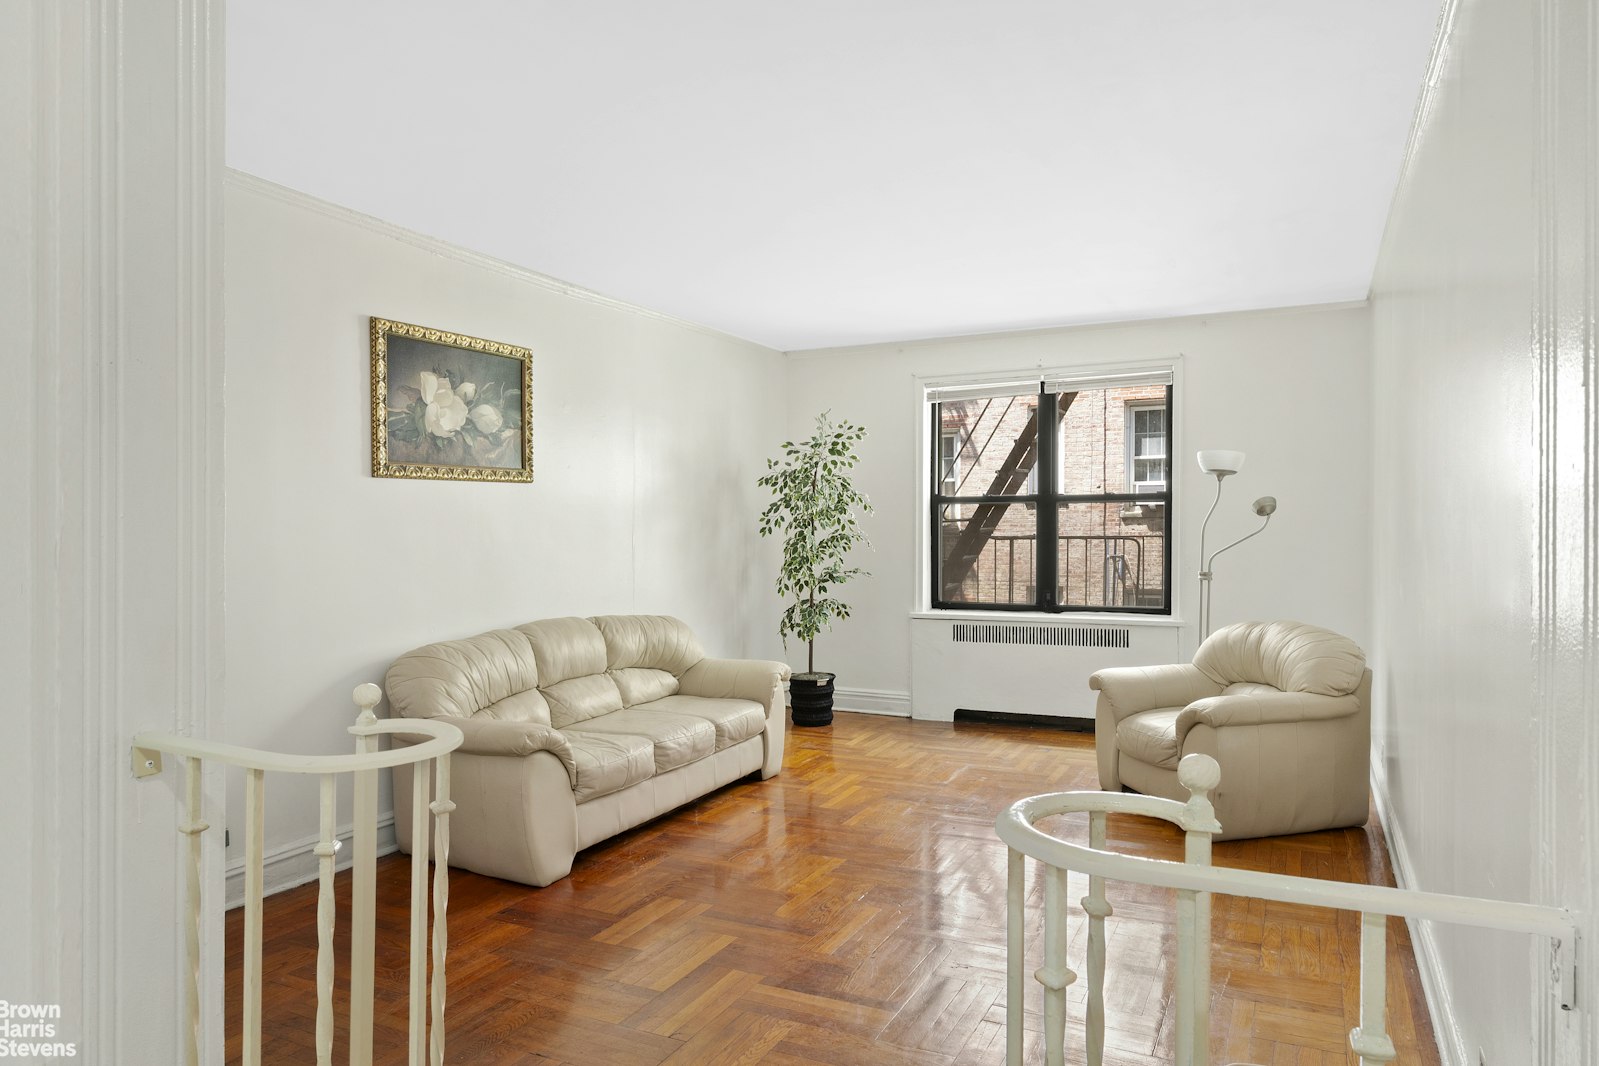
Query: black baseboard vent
[1048,721]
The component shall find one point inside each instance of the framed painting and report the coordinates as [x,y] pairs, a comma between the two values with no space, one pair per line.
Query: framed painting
[449,406]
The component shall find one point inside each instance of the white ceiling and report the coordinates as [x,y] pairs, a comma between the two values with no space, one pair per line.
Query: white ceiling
[824,172]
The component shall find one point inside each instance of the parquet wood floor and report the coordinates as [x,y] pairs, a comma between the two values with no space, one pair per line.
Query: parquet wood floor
[849,912]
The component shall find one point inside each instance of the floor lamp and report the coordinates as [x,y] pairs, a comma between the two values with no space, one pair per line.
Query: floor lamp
[1221,464]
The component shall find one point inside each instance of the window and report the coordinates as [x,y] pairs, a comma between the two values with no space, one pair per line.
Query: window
[1052,495]
[949,464]
[1146,448]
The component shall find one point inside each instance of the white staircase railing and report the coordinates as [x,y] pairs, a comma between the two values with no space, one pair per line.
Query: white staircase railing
[363,766]
[1195,880]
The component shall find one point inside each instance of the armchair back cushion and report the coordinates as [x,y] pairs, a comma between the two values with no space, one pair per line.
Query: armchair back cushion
[1287,656]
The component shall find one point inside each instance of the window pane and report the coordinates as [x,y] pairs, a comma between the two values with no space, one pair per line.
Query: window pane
[950,444]
[988,553]
[1112,555]
[1101,429]
[988,447]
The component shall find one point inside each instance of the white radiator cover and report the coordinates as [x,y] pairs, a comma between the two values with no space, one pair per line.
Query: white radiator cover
[1017,666]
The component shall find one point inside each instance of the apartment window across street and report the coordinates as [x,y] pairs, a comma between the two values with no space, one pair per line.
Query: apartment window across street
[1053,494]
[1146,448]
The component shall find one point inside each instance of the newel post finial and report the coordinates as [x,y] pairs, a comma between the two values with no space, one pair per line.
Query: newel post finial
[366,698]
[1199,774]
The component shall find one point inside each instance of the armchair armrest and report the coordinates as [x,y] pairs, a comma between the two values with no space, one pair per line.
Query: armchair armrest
[493,736]
[1126,690]
[1262,708]
[740,679]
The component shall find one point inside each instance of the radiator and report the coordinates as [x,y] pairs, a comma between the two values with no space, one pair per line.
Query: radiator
[1023,667]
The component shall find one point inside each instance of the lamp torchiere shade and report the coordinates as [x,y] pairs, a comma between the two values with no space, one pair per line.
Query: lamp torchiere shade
[1221,463]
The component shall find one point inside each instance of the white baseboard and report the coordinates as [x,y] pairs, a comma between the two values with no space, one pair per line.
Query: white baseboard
[1440,1005]
[873,701]
[293,864]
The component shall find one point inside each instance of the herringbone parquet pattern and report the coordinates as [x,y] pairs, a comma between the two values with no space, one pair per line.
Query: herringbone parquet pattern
[849,912]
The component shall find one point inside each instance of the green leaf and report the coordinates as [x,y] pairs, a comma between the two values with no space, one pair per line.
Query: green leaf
[815,506]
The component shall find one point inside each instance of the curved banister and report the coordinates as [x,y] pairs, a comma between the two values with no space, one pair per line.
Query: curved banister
[446,738]
[1015,828]
[442,739]
[1195,881]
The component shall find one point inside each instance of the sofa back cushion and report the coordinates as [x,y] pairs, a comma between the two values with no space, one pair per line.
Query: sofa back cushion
[559,671]
[571,660]
[645,654]
[491,675]
[1290,656]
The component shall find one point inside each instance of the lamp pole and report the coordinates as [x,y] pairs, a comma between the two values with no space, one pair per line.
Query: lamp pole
[1204,568]
[1221,464]
[1265,507]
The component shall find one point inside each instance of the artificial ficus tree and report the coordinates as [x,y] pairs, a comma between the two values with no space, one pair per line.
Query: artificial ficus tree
[816,509]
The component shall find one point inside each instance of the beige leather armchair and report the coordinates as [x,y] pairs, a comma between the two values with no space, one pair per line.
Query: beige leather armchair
[1284,707]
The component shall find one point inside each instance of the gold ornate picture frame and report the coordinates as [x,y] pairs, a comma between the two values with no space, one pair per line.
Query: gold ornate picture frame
[448,406]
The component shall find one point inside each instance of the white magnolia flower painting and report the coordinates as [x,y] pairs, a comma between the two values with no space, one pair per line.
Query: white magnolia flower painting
[451,406]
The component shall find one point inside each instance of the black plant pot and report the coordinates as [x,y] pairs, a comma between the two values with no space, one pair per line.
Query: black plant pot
[812,697]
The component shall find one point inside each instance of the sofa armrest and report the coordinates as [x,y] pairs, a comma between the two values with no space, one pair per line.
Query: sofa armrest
[740,679]
[494,736]
[1263,708]
[1126,690]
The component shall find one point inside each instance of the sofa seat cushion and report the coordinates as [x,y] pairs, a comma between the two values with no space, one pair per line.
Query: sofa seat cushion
[735,721]
[608,762]
[678,739]
[1151,737]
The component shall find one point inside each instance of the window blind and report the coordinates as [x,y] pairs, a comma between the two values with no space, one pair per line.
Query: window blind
[1084,383]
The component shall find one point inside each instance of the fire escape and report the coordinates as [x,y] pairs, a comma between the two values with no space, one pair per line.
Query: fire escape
[1009,480]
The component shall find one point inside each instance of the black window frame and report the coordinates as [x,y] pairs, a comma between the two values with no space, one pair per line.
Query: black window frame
[1046,503]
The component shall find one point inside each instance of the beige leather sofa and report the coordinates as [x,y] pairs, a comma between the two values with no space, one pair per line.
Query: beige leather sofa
[1284,707]
[577,729]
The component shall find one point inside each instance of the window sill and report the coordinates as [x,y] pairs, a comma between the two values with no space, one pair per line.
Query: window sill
[1097,618]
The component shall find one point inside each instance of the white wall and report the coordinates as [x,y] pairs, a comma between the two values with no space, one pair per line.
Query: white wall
[648,438]
[110,242]
[1484,517]
[1289,388]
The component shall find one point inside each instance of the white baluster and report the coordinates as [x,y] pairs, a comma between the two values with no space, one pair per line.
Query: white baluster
[441,808]
[254,825]
[192,828]
[1199,774]
[1097,909]
[1187,934]
[419,914]
[364,765]
[326,848]
[1369,1039]
[1015,953]
[1055,975]
[363,887]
